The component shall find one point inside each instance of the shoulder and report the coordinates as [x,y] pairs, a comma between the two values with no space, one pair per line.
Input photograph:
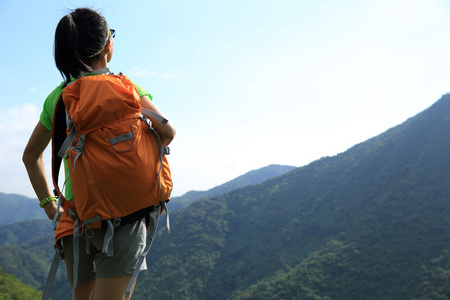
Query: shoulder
[141,90]
[56,92]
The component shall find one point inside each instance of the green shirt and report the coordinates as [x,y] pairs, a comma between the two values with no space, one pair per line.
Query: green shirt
[46,119]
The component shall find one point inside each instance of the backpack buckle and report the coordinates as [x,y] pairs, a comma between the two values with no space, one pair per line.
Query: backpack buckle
[116,222]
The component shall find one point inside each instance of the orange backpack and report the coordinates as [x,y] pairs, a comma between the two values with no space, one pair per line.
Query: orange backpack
[117,164]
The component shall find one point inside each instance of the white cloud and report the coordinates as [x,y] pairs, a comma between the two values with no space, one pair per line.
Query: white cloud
[16,125]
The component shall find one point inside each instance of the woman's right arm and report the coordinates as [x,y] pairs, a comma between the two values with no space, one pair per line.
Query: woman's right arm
[166,132]
[34,163]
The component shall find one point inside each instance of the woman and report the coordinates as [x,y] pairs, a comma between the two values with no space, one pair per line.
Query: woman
[84,45]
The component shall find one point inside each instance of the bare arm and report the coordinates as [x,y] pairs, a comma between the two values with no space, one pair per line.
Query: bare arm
[166,132]
[34,163]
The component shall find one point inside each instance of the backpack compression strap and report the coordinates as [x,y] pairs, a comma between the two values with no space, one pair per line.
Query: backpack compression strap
[151,113]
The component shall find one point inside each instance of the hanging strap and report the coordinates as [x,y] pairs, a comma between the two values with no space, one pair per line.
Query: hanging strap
[164,207]
[88,233]
[51,275]
[76,256]
[111,224]
[151,233]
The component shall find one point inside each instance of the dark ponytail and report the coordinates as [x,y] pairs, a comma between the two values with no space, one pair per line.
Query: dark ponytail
[79,38]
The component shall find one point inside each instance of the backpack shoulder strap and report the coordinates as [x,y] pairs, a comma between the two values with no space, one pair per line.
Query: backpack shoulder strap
[59,135]
[59,141]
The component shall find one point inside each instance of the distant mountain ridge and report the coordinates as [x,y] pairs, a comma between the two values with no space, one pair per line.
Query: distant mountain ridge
[17,208]
[252,177]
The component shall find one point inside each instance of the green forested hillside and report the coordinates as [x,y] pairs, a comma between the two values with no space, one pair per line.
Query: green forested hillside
[252,177]
[13,289]
[26,251]
[370,223]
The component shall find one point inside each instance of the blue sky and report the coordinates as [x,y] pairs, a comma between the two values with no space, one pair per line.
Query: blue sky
[246,83]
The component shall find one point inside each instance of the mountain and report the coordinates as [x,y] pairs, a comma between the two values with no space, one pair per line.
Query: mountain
[253,177]
[370,223]
[26,252]
[16,208]
[26,230]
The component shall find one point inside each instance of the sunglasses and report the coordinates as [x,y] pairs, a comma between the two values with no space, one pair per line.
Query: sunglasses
[112,33]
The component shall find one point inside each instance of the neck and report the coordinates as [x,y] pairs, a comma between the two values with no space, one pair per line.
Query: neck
[100,63]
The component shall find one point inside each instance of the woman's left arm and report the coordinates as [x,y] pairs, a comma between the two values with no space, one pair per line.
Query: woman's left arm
[34,163]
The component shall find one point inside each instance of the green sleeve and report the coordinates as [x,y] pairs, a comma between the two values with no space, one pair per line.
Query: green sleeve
[142,91]
[46,117]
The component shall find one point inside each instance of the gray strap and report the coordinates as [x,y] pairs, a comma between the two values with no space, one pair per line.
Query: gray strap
[58,206]
[107,242]
[164,207]
[67,142]
[154,115]
[92,220]
[88,244]
[121,138]
[69,122]
[59,203]
[76,256]
[51,276]
[88,233]
[79,147]
[151,233]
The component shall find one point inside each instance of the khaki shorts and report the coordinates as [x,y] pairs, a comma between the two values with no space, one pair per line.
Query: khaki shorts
[128,243]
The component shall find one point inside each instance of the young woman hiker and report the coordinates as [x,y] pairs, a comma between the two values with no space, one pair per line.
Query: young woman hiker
[83,46]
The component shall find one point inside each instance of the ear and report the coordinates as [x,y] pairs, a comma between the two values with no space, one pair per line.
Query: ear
[109,46]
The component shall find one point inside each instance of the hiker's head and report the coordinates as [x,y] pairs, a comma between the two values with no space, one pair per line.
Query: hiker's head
[80,39]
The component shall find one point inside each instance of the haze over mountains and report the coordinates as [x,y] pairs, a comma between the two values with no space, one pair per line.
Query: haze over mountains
[370,223]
